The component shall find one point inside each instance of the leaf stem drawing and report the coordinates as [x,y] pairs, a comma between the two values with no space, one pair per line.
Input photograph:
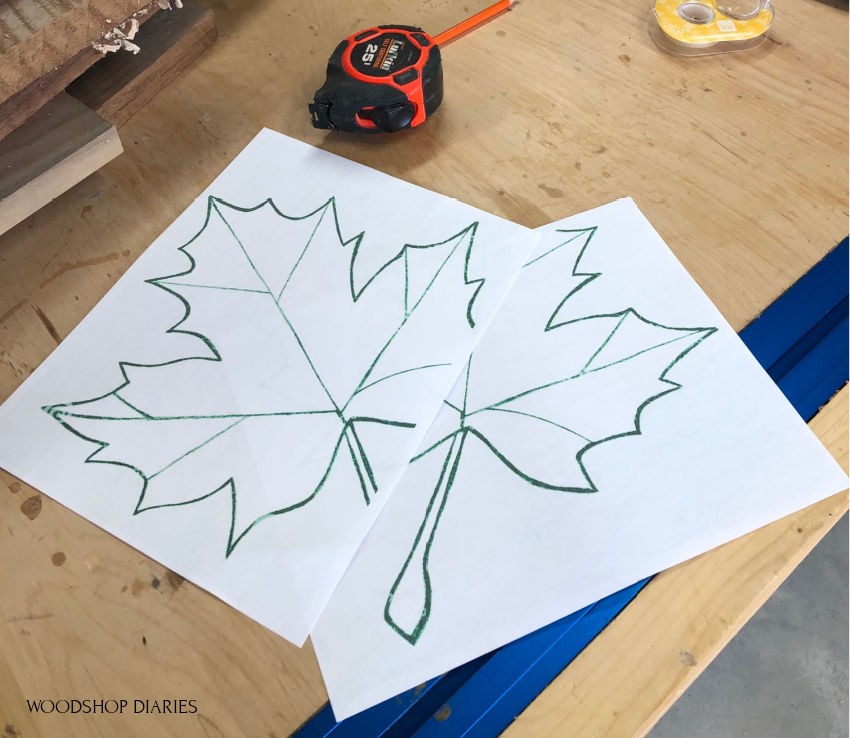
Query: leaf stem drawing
[417,559]
[409,623]
[619,349]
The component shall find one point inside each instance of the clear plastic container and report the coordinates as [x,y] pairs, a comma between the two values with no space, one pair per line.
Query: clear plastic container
[701,27]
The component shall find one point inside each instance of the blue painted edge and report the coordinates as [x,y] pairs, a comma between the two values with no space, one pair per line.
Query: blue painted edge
[384,719]
[820,373]
[801,340]
[793,314]
[520,671]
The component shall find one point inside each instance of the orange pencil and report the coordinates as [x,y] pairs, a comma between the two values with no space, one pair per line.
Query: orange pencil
[473,22]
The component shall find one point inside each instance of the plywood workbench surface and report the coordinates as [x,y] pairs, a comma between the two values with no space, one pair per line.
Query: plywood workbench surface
[739,161]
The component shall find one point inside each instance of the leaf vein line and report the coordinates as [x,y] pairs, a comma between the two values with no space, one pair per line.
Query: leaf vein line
[303,252]
[605,342]
[544,420]
[130,405]
[407,315]
[396,374]
[212,287]
[196,448]
[169,418]
[580,374]
[280,310]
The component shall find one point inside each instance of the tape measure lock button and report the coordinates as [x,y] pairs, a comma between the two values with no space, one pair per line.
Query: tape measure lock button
[408,75]
[388,119]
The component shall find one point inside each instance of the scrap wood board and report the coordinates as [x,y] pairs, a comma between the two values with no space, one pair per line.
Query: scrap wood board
[120,84]
[45,45]
[60,145]
[72,135]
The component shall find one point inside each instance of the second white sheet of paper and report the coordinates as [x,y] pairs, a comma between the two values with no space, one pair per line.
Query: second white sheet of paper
[609,425]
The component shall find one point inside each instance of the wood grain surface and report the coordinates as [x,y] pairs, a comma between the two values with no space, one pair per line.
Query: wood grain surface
[36,35]
[45,44]
[60,145]
[119,85]
[630,674]
[16,109]
[739,161]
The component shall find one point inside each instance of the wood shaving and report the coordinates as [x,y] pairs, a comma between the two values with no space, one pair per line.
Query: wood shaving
[134,28]
[117,38]
[105,48]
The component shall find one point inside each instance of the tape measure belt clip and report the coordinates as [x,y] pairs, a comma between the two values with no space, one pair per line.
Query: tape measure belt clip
[381,79]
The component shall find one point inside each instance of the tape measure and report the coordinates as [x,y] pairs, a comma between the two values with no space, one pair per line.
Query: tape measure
[387,78]
[382,79]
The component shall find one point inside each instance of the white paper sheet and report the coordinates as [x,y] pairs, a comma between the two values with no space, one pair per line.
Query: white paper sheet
[241,403]
[610,424]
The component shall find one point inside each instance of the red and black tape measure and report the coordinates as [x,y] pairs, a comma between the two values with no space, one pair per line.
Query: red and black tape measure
[387,78]
[382,79]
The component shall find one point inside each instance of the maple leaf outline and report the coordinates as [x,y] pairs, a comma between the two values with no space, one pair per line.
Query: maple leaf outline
[464,239]
[410,623]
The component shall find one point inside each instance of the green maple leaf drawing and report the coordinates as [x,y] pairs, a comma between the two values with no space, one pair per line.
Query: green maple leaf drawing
[303,355]
[538,416]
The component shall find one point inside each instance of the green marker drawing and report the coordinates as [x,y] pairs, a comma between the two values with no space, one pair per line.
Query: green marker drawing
[262,272]
[622,340]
